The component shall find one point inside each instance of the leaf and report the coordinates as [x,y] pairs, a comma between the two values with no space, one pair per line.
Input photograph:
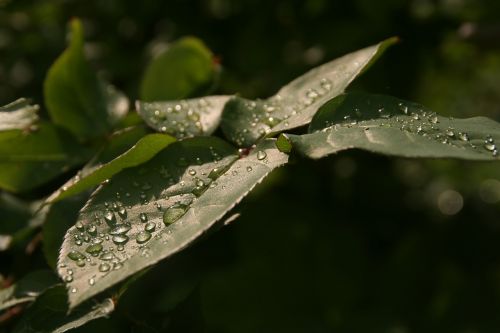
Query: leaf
[392,126]
[177,195]
[27,289]
[18,115]
[98,171]
[75,98]
[245,121]
[30,159]
[59,218]
[185,69]
[49,313]
[186,118]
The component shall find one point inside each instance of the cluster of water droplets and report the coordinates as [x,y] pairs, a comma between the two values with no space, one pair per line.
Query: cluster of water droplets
[412,119]
[264,115]
[133,214]
[181,119]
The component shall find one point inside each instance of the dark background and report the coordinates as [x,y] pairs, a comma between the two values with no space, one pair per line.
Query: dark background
[353,243]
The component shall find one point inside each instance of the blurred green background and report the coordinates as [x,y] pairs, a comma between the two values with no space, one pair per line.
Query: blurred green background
[353,243]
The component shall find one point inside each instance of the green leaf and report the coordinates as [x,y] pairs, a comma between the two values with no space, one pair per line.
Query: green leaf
[283,143]
[49,313]
[30,159]
[18,115]
[392,126]
[75,98]
[98,171]
[185,69]
[27,289]
[180,193]
[186,118]
[245,121]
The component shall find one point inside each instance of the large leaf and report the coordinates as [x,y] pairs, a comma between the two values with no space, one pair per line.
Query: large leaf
[147,213]
[49,313]
[29,159]
[27,289]
[100,169]
[18,115]
[391,126]
[184,70]
[185,118]
[245,121]
[75,98]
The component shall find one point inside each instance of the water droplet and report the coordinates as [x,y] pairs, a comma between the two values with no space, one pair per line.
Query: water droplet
[463,136]
[489,146]
[104,267]
[109,217]
[325,84]
[142,237]
[73,290]
[120,239]
[91,281]
[80,263]
[122,212]
[249,168]
[150,227]
[107,256]
[261,155]
[119,229]
[76,255]
[68,278]
[143,217]
[94,249]
[192,172]
[450,132]
[92,230]
[79,226]
[434,119]
[174,213]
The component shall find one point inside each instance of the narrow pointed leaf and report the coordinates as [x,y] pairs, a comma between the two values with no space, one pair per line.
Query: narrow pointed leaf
[98,171]
[49,313]
[29,159]
[163,205]
[27,289]
[391,126]
[75,98]
[185,69]
[185,118]
[19,114]
[245,121]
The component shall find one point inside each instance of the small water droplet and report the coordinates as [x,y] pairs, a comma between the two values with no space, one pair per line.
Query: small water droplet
[143,217]
[73,290]
[463,136]
[142,237]
[261,155]
[104,267]
[68,278]
[449,132]
[122,212]
[489,146]
[150,227]
[79,226]
[91,281]
[109,217]
[107,256]
[192,172]
[249,168]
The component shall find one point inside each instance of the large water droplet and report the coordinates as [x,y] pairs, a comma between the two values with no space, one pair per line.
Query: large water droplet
[107,256]
[150,227]
[142,237]
[174,213]
[94,249]
[122,212]
[76,255]
[120,229]
[109,217]
[120,239]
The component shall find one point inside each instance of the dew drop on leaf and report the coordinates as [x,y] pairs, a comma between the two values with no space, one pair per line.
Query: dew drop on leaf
[174,213]
[142,237]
